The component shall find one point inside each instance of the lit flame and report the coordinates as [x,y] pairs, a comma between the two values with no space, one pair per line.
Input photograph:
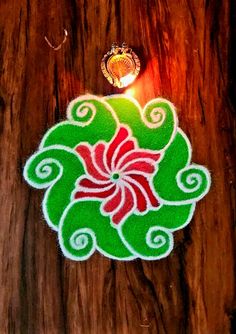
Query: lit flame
[130,91]
[127,80]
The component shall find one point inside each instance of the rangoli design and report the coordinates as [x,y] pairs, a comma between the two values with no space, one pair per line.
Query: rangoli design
[118,178]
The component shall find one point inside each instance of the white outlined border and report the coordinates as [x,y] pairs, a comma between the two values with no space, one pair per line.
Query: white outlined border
[105,100]
[95,245]
[142,112]
[68,112]
[50,184]
[189,165]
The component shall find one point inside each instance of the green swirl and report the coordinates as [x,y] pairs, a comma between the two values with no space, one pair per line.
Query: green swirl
[174,182]
[71,133]
[193,179]
[167,218]
[129,112]
[150,243]
[56,169]
[81,227]
[86,215]
[81,111]
[80,245]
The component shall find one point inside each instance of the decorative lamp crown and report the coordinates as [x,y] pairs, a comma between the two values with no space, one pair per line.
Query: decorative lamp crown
[120,65]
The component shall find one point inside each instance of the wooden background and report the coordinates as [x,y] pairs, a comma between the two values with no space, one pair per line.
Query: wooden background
[187,55]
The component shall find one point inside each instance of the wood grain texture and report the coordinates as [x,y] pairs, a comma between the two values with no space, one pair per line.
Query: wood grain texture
[187,55]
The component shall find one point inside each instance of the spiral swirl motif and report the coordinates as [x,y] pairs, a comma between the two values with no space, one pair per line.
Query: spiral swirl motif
[47,168]
[83,113]
[42,173]
[154,117]
[83,242]
[118,178]
[158,238]
[193,179]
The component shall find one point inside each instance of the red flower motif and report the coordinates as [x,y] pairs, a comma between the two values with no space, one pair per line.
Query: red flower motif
[119,174]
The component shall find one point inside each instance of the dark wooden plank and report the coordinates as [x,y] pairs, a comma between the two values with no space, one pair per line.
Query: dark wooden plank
[186,50]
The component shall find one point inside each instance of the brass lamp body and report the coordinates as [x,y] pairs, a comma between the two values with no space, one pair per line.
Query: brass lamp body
[120,66]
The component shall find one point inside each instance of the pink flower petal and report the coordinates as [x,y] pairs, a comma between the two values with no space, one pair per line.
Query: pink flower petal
[145,184]
[141,166]
[113,202]
[131,188]
[86,154]
[87,183]
[102,194]
[118,138]
[125,147]
[99,156]
[140,197]
[136,155]
[126,208]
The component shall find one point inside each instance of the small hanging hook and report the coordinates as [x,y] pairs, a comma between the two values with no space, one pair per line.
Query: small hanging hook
[56,48]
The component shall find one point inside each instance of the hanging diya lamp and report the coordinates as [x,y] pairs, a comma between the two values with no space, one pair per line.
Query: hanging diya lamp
[120,65]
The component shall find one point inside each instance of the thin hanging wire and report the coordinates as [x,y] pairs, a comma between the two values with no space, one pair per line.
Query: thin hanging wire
[56,48]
